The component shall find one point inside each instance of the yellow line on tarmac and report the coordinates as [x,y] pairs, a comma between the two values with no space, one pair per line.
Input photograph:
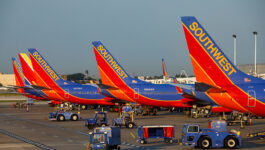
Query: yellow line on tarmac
[132,135]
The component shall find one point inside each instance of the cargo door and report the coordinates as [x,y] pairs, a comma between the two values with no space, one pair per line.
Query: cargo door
[66,93]
[136,93]
[251,98]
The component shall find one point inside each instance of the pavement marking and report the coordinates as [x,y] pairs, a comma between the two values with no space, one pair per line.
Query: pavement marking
[62,128]
[133,145]
[132,135]
[42,146]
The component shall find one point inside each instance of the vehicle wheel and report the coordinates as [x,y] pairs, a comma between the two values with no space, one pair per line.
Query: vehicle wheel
[74,117]
[90,126]
[118,148]
[166,140]
[130,125]
[204,143]
[61,118]
[83,107]
[142,142]
[230,142]
[170,141]
[154,111]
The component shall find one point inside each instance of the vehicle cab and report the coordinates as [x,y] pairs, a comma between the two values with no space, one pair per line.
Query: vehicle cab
[98,140]
[189,134]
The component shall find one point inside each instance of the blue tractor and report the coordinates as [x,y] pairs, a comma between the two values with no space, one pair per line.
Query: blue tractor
[105,138]
[126,118]
[100,119]
[215,136]
[60,115]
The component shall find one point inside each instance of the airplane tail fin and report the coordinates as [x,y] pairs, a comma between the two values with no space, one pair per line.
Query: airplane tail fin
[19,77]
[164,69]
[27,68]
[210,64]
[46,72]
[110,70]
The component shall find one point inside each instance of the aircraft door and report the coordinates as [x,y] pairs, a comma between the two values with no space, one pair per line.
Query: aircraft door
[251,98]
[136,93]
[66,93]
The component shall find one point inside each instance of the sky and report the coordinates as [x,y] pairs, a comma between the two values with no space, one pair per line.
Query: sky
[138,33]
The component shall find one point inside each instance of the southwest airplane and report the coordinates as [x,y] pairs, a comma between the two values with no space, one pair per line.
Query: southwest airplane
[68,91]
[217,77]
[22,84]
[117,83]
[189,91]
[35,79]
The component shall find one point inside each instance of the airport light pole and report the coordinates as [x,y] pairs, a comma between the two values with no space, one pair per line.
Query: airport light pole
[255,52]
[234,36]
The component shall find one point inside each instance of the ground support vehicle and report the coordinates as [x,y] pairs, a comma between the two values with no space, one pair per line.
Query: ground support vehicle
[146,110]
[201,112]
[126,118]
[165,132]
[106,138]
[67,106]
[19,105]
[259,135]
[100,119]
[238,119]
[53,103]
[60,115]
[214,137]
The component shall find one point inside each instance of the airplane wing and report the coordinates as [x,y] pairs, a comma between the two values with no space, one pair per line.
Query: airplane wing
[107,87]
[203,87]
[40,87]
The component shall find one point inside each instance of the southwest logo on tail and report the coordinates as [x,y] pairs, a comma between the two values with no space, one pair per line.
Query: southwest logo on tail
[120,85]
[65,90]
[216,74]
[44,64]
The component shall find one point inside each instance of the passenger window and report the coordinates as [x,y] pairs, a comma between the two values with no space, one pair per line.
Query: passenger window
[193,129]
